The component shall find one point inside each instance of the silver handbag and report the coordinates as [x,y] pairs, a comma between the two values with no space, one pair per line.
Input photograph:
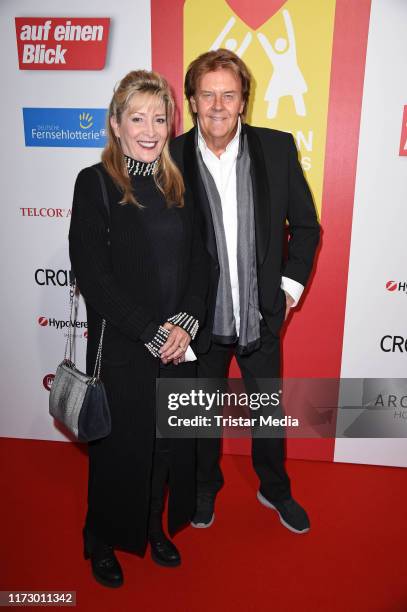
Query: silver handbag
[77,400]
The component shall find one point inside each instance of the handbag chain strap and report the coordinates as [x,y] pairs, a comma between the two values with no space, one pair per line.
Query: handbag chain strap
[74,290]
[98,362]
[69,344]
[68,355]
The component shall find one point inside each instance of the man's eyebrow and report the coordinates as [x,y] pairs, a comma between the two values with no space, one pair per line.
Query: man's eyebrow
[211,90]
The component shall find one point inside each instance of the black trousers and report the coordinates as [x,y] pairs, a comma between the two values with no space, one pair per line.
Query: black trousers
[268,454]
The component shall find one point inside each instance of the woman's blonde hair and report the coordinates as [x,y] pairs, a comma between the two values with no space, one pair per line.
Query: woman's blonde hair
[167,176]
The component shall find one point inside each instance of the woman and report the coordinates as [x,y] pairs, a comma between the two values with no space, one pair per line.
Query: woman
[141,267]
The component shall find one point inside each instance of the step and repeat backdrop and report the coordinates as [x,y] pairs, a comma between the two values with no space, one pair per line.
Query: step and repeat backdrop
[332,72]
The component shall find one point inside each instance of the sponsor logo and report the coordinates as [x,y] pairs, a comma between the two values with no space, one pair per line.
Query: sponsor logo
[396,286]
[56,278]
[64,127]
[403,137]
[49,213]
[393,344]
[47,381]
[384,400]
[61,324]
[62,43]
[393,400]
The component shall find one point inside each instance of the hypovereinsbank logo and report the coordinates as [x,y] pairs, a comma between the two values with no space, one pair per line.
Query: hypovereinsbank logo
[64,127]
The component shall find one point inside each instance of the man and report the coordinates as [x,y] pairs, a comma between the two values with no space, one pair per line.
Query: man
[247,182]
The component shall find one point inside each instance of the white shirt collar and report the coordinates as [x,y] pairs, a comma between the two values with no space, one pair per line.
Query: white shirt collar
[232,146]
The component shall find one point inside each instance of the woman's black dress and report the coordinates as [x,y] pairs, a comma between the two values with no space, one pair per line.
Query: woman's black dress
[134,269]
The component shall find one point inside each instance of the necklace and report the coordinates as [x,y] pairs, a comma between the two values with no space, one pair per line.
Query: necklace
[139,168]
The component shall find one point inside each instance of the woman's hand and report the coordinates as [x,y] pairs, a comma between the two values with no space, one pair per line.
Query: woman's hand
[176,344]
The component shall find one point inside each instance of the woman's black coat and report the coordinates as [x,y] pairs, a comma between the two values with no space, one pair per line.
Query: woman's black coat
[117,275]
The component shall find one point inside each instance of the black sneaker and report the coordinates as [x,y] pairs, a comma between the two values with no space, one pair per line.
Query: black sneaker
[204,514]
[291,514]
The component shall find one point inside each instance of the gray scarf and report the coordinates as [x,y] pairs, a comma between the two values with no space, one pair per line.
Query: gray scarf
[224,327]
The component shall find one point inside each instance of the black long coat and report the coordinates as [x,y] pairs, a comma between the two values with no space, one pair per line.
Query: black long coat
[117,275]
[280,194]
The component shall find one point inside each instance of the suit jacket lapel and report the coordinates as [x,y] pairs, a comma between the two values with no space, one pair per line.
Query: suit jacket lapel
[261,193]
[195,181]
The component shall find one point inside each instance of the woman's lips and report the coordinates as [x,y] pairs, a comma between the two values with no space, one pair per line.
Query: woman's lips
[146,145]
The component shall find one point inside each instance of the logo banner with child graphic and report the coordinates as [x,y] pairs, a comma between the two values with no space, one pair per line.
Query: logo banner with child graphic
[291,76]
[307,60]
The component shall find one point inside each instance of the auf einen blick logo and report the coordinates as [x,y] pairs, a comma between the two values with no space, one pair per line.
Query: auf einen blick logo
[62,43]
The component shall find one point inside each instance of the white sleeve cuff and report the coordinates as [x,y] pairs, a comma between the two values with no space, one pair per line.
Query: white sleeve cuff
[293,288]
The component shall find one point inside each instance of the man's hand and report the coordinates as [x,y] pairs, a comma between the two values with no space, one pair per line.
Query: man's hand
[176,344]
[290,302]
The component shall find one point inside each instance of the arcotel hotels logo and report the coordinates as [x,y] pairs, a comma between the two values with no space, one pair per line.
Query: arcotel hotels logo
[62,43]
[64,127]
[396,286]
[403,138]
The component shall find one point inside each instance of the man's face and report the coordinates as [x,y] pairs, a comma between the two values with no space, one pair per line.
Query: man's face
[218,102]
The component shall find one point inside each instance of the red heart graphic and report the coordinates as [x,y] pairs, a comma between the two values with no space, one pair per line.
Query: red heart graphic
[255,12]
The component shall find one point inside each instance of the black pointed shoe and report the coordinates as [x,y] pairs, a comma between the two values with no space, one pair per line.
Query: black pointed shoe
[105,566]
[163,551]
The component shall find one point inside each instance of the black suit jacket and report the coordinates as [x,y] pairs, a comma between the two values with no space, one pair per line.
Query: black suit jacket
[280,193]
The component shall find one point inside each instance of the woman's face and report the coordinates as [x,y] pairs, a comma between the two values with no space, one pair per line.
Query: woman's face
[143,130]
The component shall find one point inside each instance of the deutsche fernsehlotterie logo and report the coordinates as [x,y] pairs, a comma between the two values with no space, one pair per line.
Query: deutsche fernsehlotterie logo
[62,43]
[64,127]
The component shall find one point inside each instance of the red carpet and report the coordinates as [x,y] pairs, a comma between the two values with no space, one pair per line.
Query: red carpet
[353,560]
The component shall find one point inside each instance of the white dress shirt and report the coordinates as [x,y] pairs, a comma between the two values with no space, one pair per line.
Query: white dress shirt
[223,171]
